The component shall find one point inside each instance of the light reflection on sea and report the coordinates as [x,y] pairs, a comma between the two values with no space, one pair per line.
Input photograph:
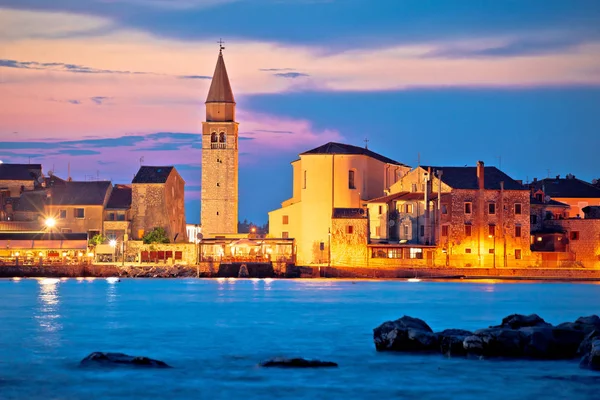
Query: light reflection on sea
[214,332]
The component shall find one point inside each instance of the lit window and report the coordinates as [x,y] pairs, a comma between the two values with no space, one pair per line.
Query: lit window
[492,208]
[416,253]
[518,209]
[351,180]
[468,207]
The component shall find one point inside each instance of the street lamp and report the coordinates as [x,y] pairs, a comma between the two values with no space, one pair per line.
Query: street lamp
[113,243]
[50,222]
[494,253]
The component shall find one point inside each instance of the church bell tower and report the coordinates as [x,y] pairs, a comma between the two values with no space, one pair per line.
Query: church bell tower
[219,203]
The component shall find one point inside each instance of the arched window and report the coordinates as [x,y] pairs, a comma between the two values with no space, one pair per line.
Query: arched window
[222,137]
[213,137]
[351,179]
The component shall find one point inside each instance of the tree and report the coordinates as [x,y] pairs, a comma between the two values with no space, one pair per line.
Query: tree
[156,235]
[96,240]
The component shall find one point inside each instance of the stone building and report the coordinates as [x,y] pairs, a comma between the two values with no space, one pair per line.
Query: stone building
[476,216]
[577,194]
[157,200]
[331,176]
[219,205]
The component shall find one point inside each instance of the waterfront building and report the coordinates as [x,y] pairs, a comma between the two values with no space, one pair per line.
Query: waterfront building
[329,177]
[117,213]
[157,200]
[459,216]
[574,192]
[77,207]
[219,203]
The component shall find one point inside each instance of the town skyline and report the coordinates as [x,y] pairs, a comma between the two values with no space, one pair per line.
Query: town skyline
[109,91]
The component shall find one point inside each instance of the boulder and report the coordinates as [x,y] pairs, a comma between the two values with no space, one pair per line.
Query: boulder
[517,321]
[495,342]
[591,360]
[550,342]
[107,359]
[586,344]
[297,363]
[584,324]
[405,334]
[451,341]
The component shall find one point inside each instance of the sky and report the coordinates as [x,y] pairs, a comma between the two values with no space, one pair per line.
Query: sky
[104,86]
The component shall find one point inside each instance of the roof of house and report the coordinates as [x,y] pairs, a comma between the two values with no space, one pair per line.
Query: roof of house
[120,197]
[31,201]
[220,88]
[54,180]
[535,202]
[567,187]
[349,213]
[79,193]
[20,172]
[341,148]
[466,178]
[149,174]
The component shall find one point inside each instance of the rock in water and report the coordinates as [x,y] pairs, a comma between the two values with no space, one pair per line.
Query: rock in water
[592,359]
[100,358]
[451,341]
[297,363]
[405,334]
[518,321]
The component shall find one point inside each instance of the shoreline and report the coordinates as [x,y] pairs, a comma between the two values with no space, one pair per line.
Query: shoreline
[415,274]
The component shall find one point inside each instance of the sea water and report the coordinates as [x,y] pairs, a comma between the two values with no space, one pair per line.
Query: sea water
[216,332]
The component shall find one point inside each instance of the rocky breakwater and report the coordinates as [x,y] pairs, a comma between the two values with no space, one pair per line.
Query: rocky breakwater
[518,336]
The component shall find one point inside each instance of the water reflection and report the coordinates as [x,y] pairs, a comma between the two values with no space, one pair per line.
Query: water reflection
[48,314]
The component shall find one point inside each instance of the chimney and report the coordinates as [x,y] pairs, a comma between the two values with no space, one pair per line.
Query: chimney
[480,170]
[557,176]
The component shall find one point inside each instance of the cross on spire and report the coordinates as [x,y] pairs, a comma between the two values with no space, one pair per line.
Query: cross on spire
[221,42]
[366,143]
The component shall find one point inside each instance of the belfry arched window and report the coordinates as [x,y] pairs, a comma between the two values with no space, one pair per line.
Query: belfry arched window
[222,137]
[213,137]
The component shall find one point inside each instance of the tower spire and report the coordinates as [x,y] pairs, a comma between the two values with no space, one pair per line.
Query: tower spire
[220,88]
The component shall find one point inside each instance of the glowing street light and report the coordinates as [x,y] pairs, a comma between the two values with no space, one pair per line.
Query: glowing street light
[112,243]
[50,222]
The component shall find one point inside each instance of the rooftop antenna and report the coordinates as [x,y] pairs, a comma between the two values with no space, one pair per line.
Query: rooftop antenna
[548,172]
[221,43]
[366,143]
[69,171]
[499,162]
[141,161]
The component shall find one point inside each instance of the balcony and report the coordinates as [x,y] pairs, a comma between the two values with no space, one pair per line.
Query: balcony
[215,145]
